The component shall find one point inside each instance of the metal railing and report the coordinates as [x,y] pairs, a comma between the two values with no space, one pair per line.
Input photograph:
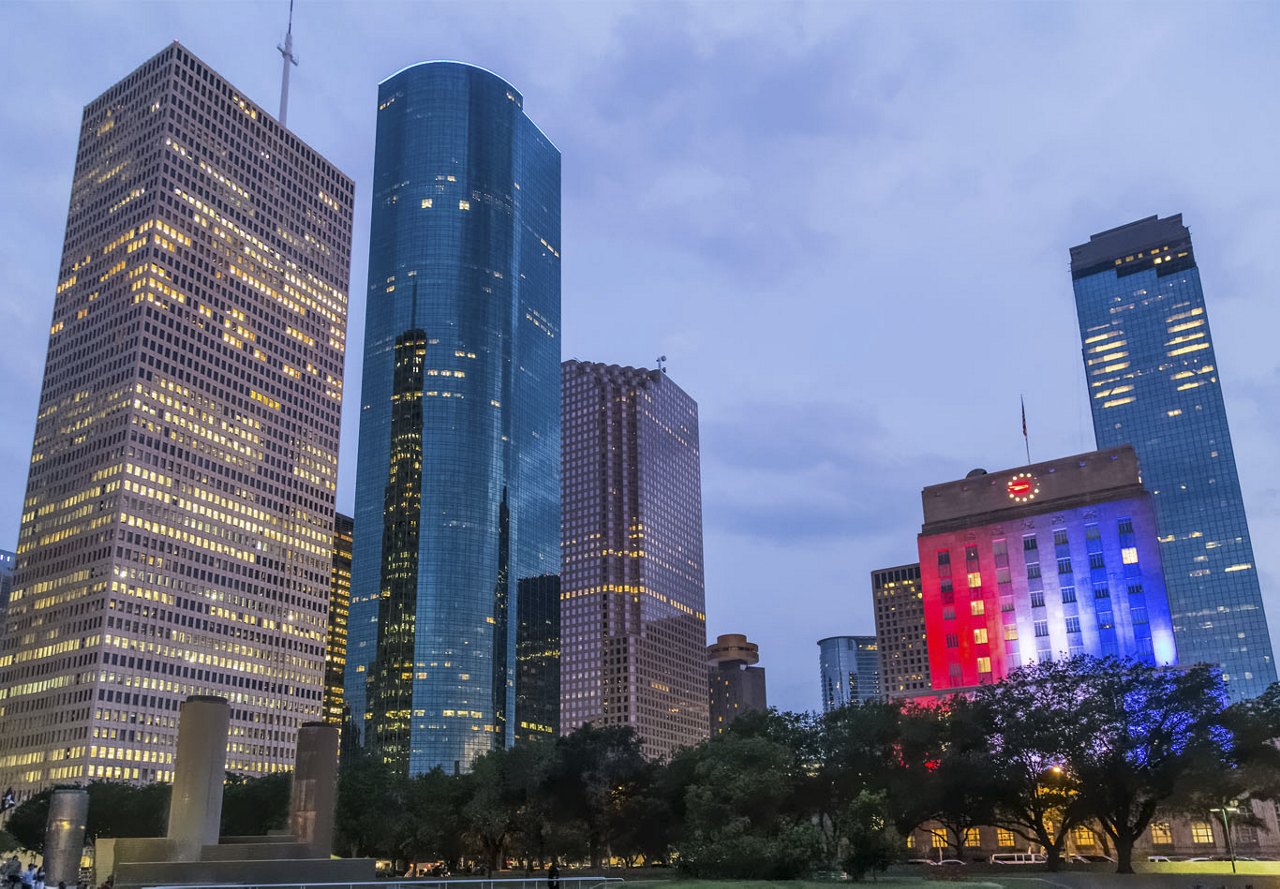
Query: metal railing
[533,882]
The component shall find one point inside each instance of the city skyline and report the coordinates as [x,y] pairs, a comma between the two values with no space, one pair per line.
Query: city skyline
[662,210]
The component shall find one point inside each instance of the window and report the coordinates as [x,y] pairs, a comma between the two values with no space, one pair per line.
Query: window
[1064,566]
[911,841]
[1201,832]
[953,640]
[1033,571]
[971,837]
[1161,835]
[984,665]
[1135,589]
[1042,628]
[980,636]
[1084,837]
[1138,615]
[1011,633]
[1073,625]
[1029,543]
[1060,537]
[1096,561]
[939,838]
[944,557]
[975,579]
[1037,599]
[1068,594]
[1129,555]
[1126,526]
[971,553]
[1101,591]
[977,607]
[948,614]
[1091,532]
[1004,838]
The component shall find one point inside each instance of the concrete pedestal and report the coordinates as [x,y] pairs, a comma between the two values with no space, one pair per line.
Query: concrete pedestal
[315,788]
[195,810]
[64,835]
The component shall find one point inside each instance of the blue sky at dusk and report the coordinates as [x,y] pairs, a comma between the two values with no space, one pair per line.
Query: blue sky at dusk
[846,226]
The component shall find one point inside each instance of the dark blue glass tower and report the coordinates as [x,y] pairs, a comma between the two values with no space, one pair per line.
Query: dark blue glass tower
[1154,383]
[458,479]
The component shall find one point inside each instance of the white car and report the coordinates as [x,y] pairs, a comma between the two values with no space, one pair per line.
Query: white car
[946,861]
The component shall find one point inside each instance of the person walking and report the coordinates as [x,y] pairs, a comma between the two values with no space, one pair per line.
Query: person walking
[29,876]
[12,872]
[39,880]
[553,876]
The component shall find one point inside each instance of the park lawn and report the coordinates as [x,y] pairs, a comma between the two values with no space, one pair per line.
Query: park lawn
[892,881]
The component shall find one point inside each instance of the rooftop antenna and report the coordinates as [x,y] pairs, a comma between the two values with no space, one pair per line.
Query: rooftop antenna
[286,51]
[662,363]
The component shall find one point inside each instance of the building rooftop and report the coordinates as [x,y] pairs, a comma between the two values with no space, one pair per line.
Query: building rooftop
[1125,242]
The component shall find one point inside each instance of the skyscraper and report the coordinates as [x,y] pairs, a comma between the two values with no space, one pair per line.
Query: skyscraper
[335,651]
[848,671]
[458,480]
[538,658]
[1041,562]
[736,684]
[8,563]
[633,626]
[904,654]
[178,520]
[1154,383]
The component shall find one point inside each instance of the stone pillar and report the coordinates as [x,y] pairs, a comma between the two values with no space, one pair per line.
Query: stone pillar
[315,788]
[199,771]
[64,835]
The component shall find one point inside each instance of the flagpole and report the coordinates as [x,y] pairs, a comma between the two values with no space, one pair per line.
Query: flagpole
[1025,438]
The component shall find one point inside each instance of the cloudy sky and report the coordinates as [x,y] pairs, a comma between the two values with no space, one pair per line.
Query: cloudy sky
[846,225]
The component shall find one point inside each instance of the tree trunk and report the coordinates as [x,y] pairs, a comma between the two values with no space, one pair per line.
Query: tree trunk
[1124,855]
[1052,858]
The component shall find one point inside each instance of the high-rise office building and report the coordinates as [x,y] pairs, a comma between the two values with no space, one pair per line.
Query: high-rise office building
[633,620]
[178,521]
[1041,562]
[904,653]
[8,562]
[458,479]
[848,671]
[735,683]
[1154,383]
[335,650]
[538,658]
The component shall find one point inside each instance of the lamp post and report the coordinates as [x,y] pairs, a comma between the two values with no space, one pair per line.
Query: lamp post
[1225,812]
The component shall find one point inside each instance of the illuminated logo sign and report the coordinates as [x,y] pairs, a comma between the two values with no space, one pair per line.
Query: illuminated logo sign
[1023,487]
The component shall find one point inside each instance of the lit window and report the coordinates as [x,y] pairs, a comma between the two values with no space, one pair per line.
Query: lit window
[426,202]
[977,607]
[1129,555]
[975,579]
[980,636]
[972,838]
[1004,838]
[939,839]
[984,664]
[464,205]
[1201,832]
[1011,633]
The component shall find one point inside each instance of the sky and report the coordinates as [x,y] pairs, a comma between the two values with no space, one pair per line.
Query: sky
[846,226]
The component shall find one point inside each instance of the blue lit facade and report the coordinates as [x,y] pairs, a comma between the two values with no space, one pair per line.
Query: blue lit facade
[1154,382]
[458,476]
[849,670]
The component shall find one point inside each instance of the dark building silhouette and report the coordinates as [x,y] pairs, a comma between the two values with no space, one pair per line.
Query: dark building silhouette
[736,684]
[335,652]
[538,658]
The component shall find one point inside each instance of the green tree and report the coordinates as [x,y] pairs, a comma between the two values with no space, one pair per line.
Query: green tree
[369,809]
[431,825]
[870,842]
[1030,727]
[589,779]
[116,809]
[1149,733]
[739,818]
[253,806]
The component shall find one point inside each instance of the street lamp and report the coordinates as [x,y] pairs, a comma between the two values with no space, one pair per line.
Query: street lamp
[1225,812]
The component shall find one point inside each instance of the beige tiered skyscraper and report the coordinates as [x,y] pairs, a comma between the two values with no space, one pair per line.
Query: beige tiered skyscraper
[178,524]
[633,628]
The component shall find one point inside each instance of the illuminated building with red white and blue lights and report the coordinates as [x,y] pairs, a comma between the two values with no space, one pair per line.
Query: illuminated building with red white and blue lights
[1041,562]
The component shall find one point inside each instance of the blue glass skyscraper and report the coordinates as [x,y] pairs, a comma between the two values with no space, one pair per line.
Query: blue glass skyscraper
[1154,383]
[458,476]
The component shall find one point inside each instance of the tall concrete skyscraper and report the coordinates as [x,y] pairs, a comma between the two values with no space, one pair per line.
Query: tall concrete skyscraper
[335,650]
[904,654]
[1154,383]
[458,480]
[736,684]
[178,520]
[633,626]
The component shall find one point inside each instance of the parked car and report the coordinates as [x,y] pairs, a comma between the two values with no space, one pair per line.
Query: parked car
[1164,859]
[1017,858]
[946,861]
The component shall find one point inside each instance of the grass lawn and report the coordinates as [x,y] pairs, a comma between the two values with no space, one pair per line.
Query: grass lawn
[895,881]
[1180,875]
